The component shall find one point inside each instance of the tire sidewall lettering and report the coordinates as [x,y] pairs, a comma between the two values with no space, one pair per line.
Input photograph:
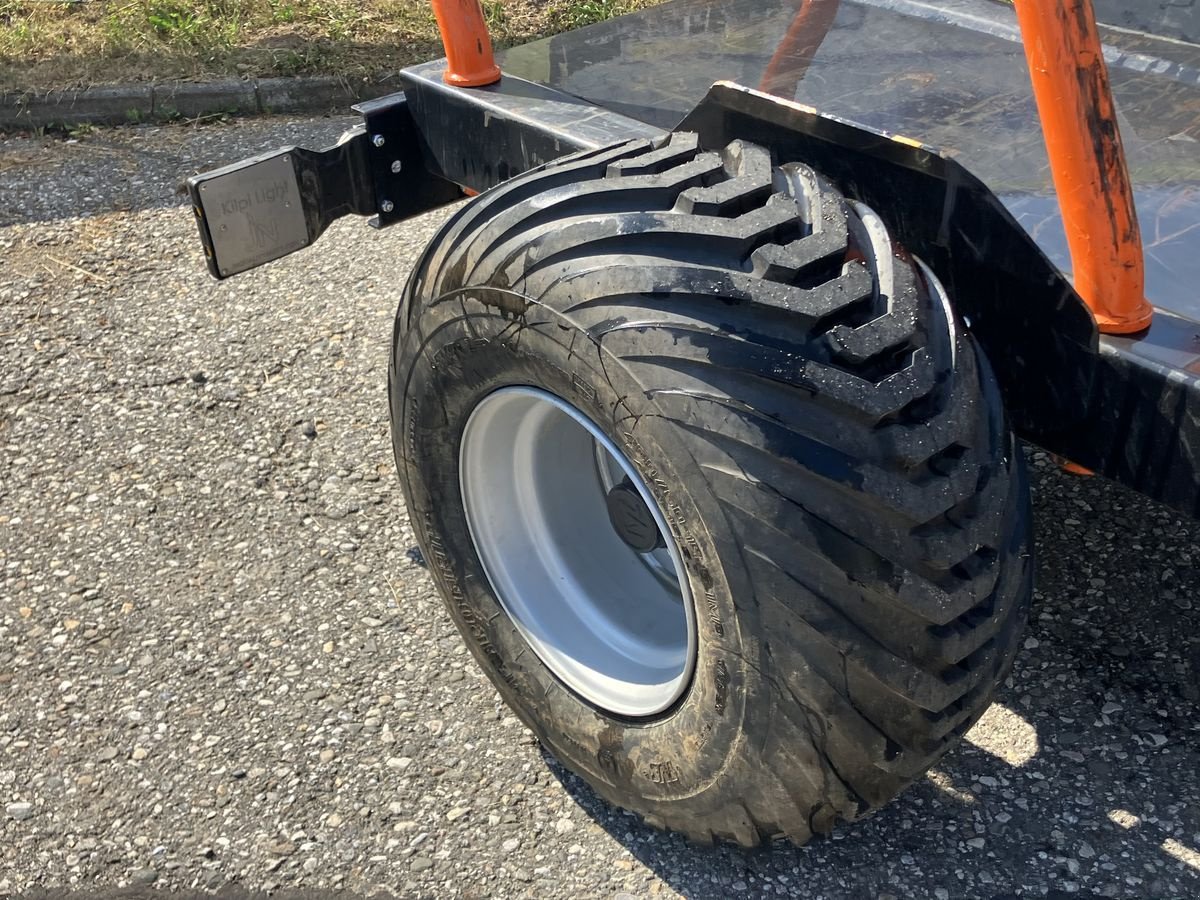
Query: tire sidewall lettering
[462,359]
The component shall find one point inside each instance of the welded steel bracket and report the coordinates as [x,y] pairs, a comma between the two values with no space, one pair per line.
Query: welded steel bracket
[402,184]
[268,206]
[414,152]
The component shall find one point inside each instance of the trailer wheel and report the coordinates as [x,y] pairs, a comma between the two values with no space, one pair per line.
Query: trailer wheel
[715,485]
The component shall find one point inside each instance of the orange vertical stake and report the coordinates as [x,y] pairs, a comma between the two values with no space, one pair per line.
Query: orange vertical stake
[800,44]
[1087,160]
[469,60]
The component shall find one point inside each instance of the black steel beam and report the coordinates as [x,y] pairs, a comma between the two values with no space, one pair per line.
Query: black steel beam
[479,137]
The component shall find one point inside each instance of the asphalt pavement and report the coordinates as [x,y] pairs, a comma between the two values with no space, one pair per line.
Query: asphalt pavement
[223,665]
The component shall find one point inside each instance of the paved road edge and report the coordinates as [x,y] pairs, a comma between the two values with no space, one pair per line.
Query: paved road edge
[125,104]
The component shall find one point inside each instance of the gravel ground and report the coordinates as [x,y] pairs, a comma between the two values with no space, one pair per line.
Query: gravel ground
[223,665]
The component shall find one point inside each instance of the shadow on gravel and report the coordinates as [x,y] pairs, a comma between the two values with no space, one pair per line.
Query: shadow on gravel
[1088,762]
[131,169]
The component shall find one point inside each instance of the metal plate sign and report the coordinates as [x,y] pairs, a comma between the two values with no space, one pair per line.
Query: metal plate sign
[254,213]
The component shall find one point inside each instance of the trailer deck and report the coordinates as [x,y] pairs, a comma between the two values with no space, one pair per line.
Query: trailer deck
[923,110]
[951,74]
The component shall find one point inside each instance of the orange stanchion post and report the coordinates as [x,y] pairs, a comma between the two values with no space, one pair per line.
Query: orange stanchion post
[467,43]
[1087,160]
[800,43]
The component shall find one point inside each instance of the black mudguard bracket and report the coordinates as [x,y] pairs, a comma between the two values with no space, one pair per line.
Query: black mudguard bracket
[1036,331]
[1125,407]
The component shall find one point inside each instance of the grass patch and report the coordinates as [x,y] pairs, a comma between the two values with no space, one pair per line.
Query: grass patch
[82,42]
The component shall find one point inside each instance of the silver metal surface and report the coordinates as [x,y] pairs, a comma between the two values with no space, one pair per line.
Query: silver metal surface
[607,620]
[387,206]
[378,140]
[254,213]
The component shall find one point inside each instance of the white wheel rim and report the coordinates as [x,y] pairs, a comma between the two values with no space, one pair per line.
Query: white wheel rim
[615,625]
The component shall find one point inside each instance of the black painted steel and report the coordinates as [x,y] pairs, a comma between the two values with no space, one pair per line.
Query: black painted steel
[400,185]
[1143,426]
[480,137]
[1036,331]
[631,518]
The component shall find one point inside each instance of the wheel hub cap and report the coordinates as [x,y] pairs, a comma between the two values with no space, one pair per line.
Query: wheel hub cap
[577,551]
[631,518]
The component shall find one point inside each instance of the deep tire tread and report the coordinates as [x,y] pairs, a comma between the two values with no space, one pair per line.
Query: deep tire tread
[833,401]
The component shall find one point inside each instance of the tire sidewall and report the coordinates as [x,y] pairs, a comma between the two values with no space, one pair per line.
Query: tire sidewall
[459,349]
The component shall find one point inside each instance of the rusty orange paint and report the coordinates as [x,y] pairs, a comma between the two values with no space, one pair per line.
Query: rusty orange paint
[1087,160]
[469,60]
[800,43]
[1071,468]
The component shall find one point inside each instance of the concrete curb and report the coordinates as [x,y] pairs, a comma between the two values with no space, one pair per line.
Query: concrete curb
[124,104]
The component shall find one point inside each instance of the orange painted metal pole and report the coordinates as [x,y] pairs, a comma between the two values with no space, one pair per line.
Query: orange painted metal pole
[800,43]
[1087,160]
[469,60]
